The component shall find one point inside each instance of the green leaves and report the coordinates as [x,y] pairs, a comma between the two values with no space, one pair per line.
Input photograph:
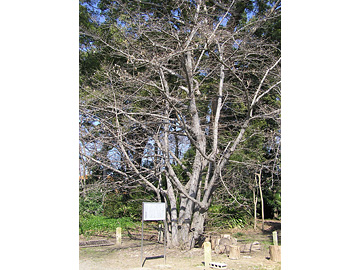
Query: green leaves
[91,204]
[96,225]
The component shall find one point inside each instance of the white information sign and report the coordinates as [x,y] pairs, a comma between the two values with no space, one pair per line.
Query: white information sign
[153,211]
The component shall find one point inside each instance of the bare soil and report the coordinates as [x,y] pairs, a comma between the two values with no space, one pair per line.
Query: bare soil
[128,254]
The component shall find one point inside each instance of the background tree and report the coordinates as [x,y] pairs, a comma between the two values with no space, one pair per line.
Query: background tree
[203,72]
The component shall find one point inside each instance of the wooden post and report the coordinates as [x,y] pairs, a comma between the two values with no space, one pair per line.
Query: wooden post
[275,253]
[118,236]
[207,255]
[234,252]
[213,242]
[275,238]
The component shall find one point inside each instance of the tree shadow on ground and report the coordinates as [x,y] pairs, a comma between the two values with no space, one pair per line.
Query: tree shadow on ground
[270,226]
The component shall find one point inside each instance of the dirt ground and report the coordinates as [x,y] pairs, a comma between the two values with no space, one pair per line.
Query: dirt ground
[128,255]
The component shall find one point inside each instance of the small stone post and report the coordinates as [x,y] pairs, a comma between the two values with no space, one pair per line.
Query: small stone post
[207,255]
[275,238]
[118,236]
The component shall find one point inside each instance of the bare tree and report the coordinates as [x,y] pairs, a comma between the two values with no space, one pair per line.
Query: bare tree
[187,72]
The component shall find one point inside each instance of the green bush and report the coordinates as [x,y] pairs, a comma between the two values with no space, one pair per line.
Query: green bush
[221,216]
[95,225]
[125,204]
[119,205]
[237,223]
[91,204]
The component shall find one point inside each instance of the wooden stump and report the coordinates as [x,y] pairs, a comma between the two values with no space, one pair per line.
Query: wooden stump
[220,249]
[234,252]
[214,241]
[275,253]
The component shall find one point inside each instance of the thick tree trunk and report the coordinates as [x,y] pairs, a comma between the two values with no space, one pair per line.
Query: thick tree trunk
[184,227]
[191,229]
[186,230]
[197,225]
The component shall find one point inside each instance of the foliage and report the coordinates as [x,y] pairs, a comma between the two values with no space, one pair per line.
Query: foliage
[272,203]
[125,204]
[223,216]
[237,223]
[91,204]
[95,225]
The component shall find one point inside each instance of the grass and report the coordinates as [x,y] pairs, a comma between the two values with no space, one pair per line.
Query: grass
[263,239]
[96,225]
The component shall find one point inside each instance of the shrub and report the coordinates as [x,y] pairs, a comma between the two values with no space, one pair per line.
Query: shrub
[91,203]
[95,225]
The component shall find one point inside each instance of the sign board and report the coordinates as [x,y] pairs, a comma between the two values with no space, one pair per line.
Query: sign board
[153,211]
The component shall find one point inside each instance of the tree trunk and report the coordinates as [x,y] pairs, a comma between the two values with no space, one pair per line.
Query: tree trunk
[262,200]
[255,205]
[197,225]
[186,230]
[173,224]
[186,236]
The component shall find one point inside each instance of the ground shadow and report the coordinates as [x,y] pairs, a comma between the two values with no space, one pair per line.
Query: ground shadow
[152,258]
[271,226]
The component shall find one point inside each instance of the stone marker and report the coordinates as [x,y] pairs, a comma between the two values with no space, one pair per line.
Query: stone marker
[118,236]
[207,255]
[275,238]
